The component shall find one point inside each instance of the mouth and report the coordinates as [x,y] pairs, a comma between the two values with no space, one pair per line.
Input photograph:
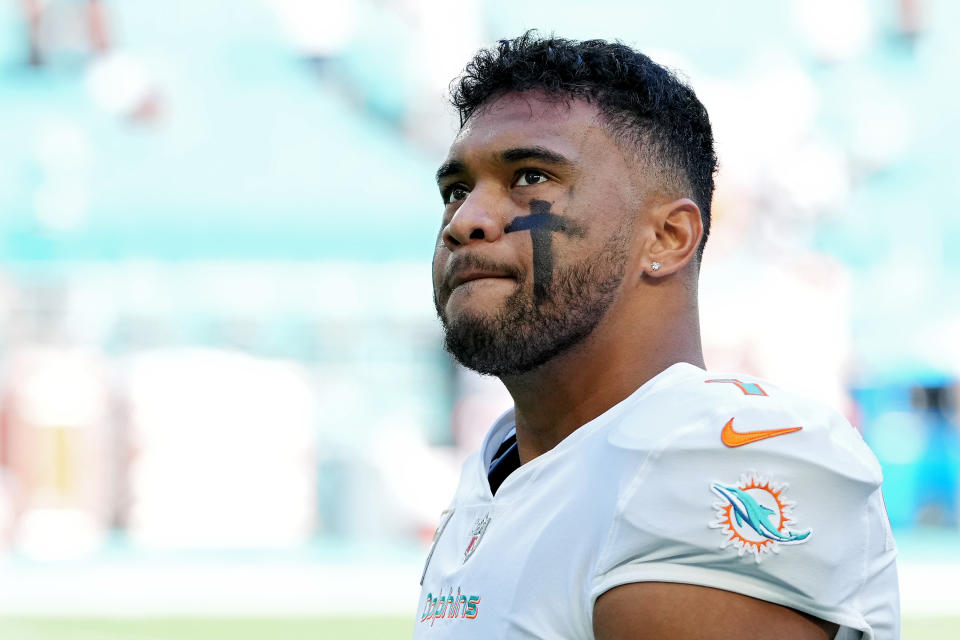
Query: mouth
[465,277]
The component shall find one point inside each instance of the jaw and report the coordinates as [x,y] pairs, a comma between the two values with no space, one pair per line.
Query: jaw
[485,297]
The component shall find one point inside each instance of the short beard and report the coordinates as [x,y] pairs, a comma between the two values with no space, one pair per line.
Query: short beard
[525,335]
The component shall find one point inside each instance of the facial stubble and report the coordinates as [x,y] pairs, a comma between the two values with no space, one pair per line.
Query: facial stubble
[530,330]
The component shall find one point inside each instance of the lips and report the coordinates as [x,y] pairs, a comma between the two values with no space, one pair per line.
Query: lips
[470,275]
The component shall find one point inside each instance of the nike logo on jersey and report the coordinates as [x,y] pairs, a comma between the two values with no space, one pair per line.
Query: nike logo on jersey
[733,438]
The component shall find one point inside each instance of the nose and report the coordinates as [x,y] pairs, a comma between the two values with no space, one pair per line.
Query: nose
[475,220]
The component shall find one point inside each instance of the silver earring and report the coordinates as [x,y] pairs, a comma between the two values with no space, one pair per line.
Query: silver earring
[654,266]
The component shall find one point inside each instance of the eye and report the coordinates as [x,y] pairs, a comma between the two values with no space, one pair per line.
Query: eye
[454,193]
[530,177]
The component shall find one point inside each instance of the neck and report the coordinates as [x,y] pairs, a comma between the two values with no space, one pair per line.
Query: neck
[626,349]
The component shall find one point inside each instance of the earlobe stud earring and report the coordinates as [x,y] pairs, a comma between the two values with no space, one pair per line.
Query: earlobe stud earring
[654,266]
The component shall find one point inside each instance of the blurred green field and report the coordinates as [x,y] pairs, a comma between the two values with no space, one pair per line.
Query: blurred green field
[927,628]
[205,628]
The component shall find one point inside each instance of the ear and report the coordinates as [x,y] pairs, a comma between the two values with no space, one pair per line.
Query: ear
[677,229]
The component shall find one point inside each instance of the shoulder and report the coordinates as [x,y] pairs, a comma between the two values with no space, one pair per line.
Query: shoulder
[743,486]
[731,419]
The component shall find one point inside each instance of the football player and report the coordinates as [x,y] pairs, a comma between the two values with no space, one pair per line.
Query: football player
[629,493]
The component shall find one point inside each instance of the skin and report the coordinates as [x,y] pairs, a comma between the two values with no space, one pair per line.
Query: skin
[599,191]
[661,610]
[652,323]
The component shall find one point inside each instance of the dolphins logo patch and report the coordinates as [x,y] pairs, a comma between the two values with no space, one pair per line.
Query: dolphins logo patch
[755,516]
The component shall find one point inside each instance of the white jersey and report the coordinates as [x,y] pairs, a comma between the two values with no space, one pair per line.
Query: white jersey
[715,480]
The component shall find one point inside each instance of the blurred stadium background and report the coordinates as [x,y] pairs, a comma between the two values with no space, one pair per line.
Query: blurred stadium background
[225,410]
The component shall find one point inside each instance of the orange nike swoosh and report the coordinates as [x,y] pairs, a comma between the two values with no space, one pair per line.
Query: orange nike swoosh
[733,438]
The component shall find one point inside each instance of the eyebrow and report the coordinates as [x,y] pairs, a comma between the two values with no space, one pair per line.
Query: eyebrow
[543,154]
[515,154]
[450,168]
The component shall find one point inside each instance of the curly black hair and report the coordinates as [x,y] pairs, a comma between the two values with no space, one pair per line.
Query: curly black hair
[642,102]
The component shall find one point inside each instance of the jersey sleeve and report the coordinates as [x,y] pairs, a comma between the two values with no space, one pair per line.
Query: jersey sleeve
[790,516]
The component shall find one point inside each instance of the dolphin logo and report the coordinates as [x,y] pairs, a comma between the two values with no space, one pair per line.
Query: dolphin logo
[747,510]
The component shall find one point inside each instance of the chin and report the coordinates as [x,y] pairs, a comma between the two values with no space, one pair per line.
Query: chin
[459,314]
[480,299]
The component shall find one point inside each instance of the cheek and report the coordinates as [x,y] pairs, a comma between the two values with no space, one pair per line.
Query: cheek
[440,257]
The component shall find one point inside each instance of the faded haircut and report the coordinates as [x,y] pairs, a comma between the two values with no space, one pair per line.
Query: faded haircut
[642,103]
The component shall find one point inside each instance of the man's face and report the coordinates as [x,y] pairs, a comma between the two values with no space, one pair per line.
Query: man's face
[534,244]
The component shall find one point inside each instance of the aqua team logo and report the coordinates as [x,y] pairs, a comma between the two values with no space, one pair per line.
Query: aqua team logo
[755,516]
[450,607]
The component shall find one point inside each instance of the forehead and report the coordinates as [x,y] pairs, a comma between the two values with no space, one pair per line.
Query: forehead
[570,127]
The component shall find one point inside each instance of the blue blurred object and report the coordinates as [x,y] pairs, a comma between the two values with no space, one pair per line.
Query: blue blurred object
[912,431]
